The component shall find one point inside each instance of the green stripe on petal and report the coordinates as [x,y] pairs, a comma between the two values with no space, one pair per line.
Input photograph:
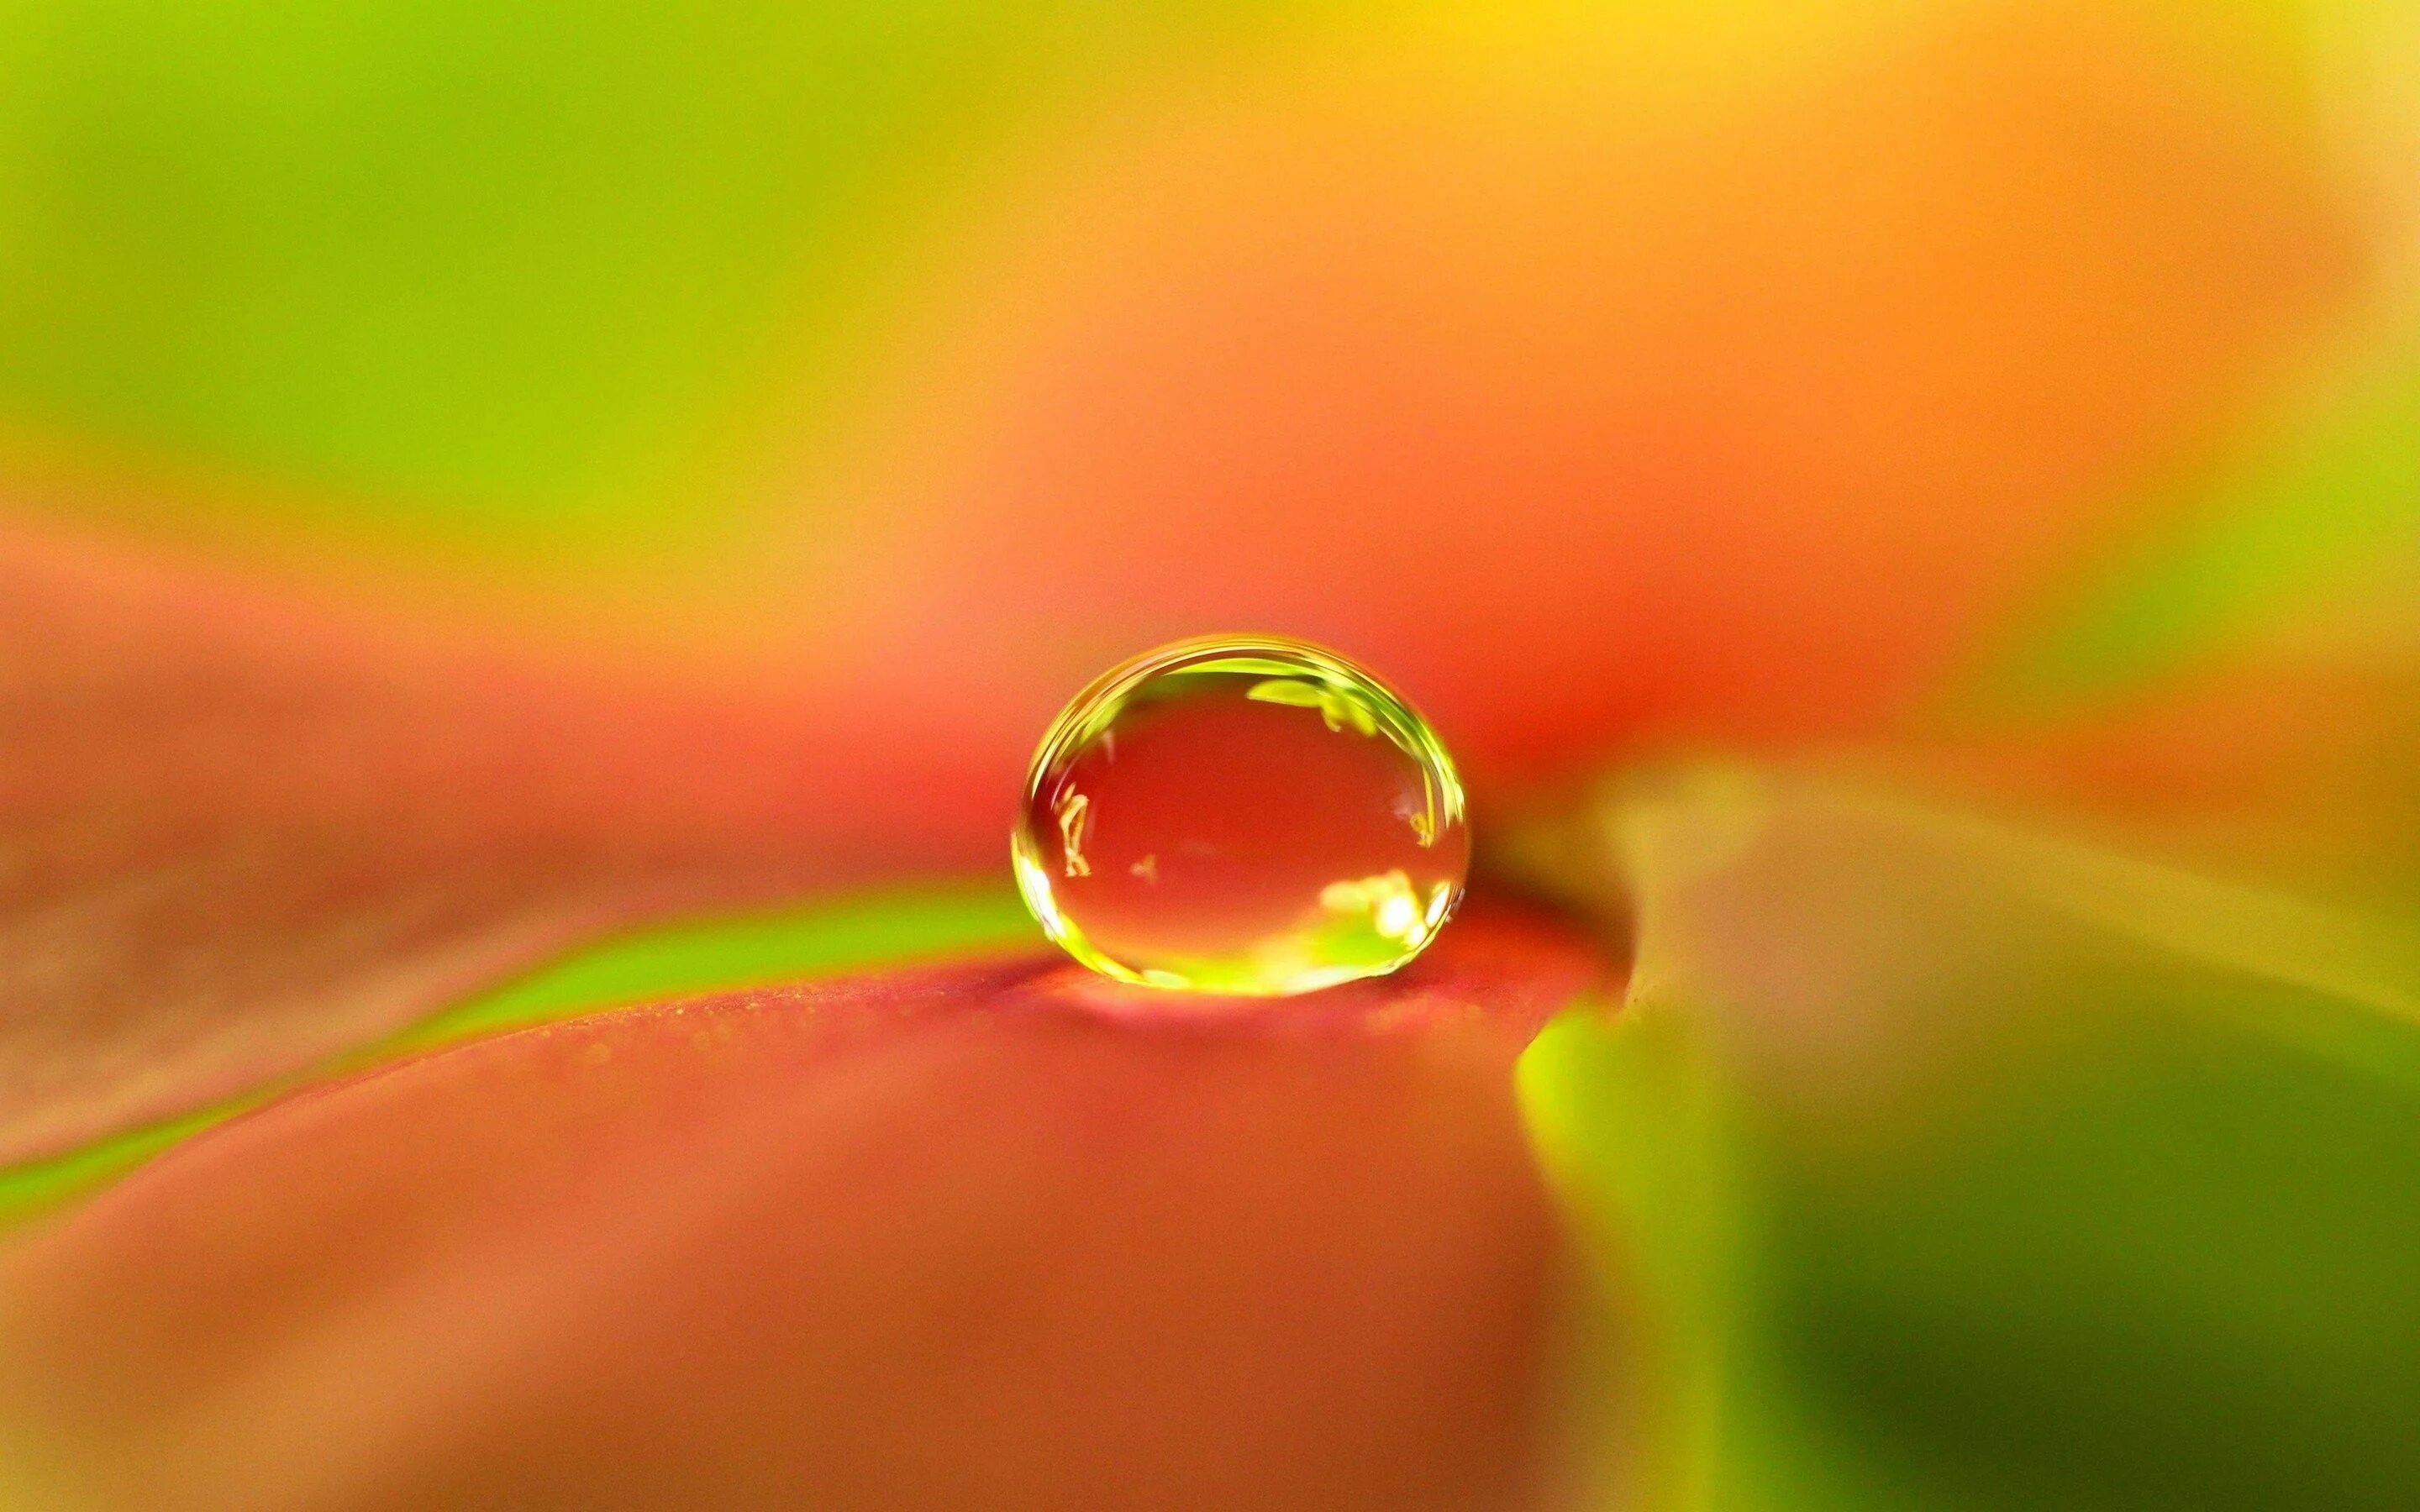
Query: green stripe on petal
[687,959]
[2304,506]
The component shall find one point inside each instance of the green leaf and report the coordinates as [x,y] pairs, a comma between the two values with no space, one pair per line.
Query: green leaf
[1949,1166]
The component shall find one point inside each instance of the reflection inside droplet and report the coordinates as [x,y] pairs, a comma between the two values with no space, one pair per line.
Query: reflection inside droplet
[1241,814]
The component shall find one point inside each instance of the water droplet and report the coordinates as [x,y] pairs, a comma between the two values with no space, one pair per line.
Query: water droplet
[1241,814]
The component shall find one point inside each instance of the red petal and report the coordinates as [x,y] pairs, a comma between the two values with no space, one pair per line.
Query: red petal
[979,1235]
[240,834]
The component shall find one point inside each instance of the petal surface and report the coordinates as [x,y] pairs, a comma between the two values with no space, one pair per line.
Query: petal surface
[239,833]
[1598,428]
[997,1234]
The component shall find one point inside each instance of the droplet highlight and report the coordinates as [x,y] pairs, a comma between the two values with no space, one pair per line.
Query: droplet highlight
[1241,814]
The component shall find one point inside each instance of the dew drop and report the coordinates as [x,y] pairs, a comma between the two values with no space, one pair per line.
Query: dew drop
[1242,814]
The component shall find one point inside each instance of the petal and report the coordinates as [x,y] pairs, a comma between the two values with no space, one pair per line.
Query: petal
[2313,495]
[2234,692]
[1602,379]
[240,834]
[1596,429]
[994,1234]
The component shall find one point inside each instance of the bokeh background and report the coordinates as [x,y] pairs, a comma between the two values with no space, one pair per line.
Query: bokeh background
[1907,511]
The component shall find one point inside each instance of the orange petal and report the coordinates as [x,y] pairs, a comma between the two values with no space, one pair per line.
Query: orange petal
[986,1235]
[1596,430]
